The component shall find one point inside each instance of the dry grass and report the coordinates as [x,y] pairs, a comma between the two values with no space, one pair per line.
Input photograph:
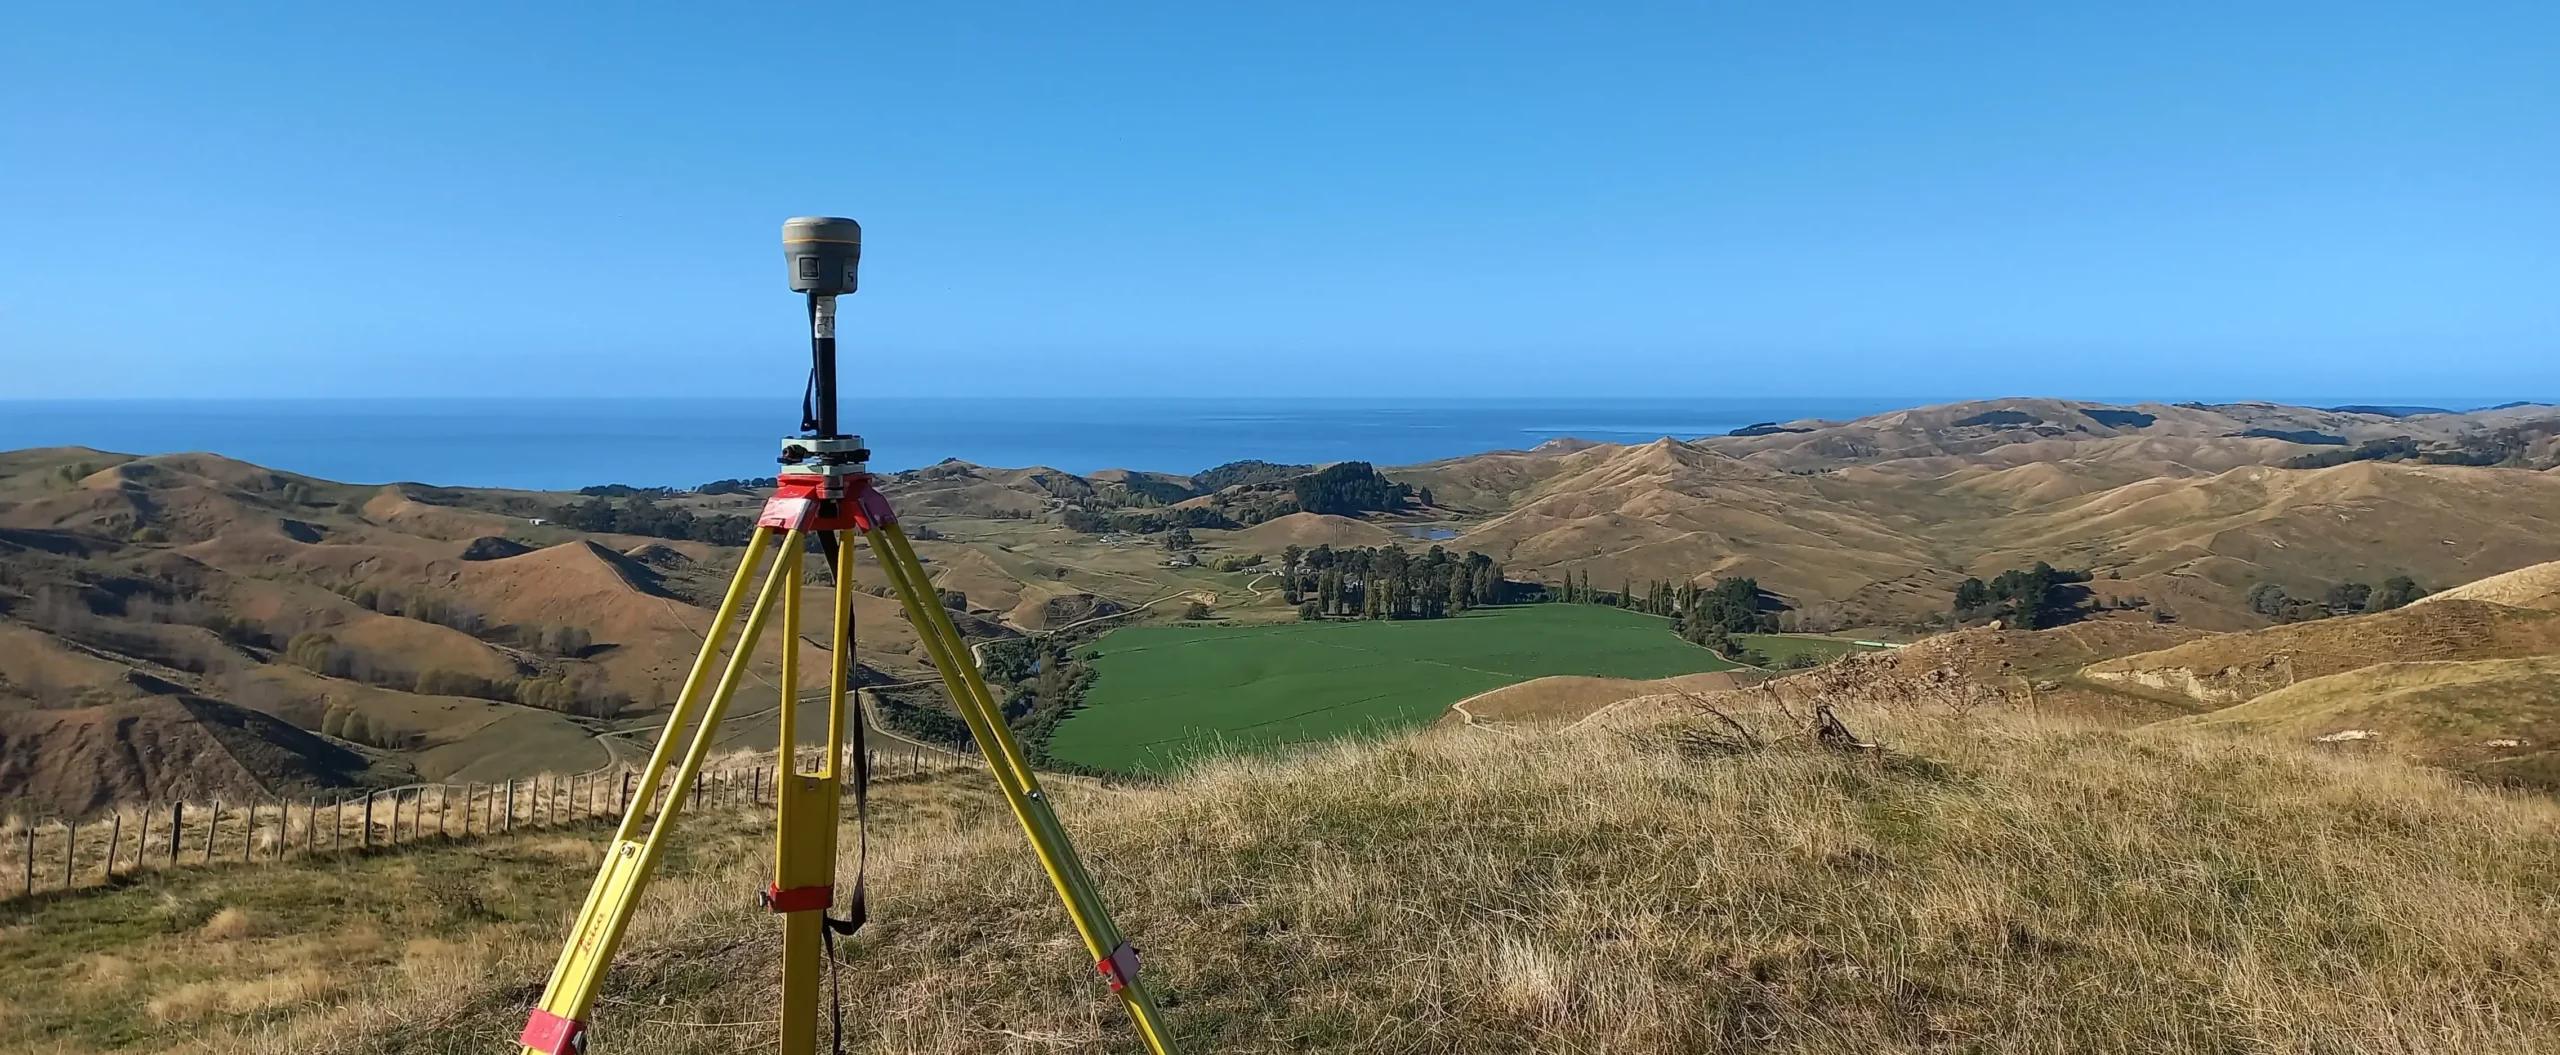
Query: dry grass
[2533,586]
[234,923]
[1984,885]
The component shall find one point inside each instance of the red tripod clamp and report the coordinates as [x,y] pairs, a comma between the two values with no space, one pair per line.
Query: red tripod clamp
[820,502]
[553,1035]
[1121,967]
[797,899]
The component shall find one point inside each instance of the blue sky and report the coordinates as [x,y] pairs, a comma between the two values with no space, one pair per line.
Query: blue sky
[1466,199]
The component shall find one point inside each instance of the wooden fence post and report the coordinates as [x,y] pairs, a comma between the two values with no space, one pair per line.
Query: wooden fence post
[212,824]
[115,833]
[28,861]
[623,809]
[177,822]
[249,833]
[368,819]
[511,805]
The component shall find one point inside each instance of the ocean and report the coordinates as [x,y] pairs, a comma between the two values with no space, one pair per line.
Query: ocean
[570,443]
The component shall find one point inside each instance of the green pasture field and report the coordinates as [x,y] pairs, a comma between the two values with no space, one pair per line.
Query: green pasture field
[1782,647]
[1165,695]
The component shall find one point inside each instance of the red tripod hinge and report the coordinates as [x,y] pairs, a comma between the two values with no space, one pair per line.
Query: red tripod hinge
[553,1035]
[1121,967]
[797,503]
[797,899]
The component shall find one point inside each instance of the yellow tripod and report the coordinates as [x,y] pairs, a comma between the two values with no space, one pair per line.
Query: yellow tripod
[824,489]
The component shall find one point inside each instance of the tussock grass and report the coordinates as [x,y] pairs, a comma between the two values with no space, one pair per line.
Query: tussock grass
[1982,886]
[233,923]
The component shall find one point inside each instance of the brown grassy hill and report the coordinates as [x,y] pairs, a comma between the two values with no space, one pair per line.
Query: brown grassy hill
[2008,432]
[324,607]
[1886,538]
[987,584]
[163,748]
[2016,886]
[2498,719]
[1046,609]
[957,487]
[2537,586]
[1569,697]
[2363,520]
[2018,672]
[1671,507]
[2228,668]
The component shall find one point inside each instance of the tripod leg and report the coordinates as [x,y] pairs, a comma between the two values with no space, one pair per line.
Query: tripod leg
[558,1022]
[1112,953]
[804,846]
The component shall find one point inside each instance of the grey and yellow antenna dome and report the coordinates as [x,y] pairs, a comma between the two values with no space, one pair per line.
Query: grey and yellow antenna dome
[822,252]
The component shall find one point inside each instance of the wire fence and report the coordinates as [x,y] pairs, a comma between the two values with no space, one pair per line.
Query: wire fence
[58,854]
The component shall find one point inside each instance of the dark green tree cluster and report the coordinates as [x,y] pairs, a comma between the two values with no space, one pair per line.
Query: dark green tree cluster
[1731,606]
[423,607]
[1703,615]
[2514,446]
[1573,591]
[1152,489]
[1142,521]
[1385,582]
[2029,598]
[1248,471]
[1043,680]
[2345,598]
[1346,488]
[638,515]
[567,693]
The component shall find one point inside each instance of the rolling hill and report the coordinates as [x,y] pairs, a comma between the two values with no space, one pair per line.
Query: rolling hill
[193,624]
[2497,719]
[2186,507]
[416,626]
[2225,669]
[2535,586]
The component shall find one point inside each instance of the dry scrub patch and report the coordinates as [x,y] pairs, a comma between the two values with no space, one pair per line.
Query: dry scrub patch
[1980,885]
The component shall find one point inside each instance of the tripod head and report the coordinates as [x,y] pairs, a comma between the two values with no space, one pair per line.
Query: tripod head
[821,257]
